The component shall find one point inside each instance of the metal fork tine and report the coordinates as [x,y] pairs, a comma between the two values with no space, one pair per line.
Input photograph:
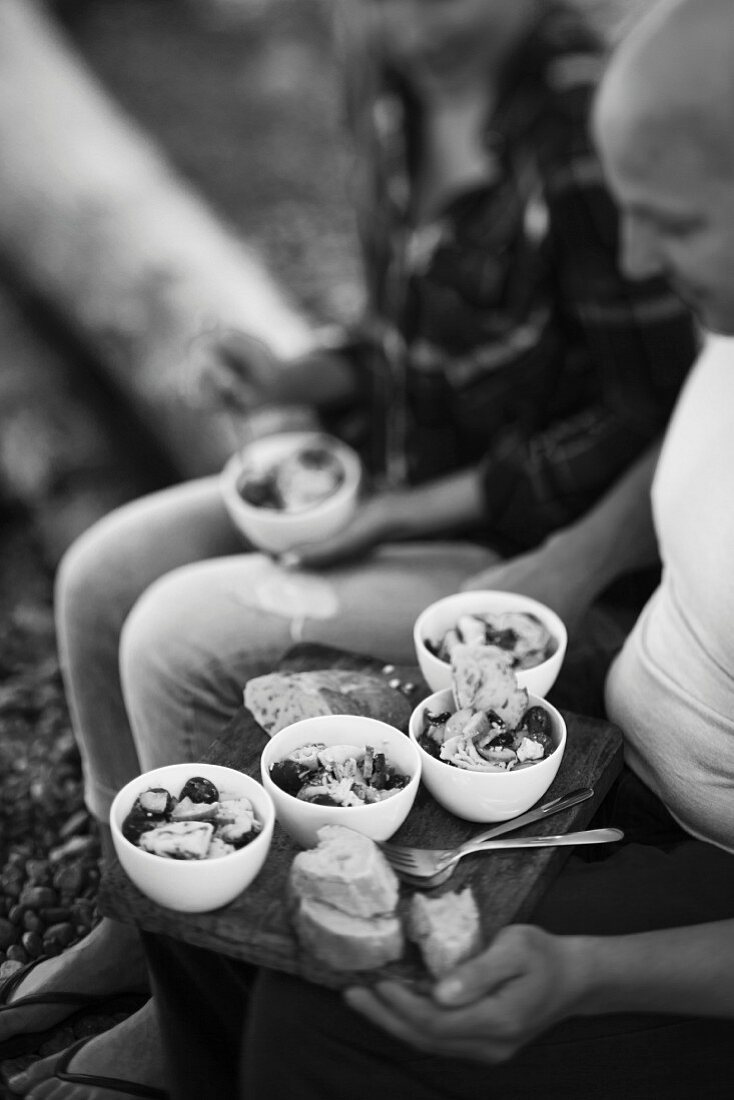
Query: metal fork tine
[415,862]
[392,849]
[404,861]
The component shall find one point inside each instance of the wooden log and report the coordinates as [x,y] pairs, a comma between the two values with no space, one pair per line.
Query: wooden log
[67,456]
[94,221]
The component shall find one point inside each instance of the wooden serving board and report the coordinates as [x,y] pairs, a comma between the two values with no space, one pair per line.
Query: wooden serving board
[256,926]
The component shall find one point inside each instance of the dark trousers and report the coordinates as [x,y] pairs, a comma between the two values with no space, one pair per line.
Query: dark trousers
[301,1042]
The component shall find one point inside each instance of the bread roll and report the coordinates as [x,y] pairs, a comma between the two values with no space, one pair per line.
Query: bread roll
[344,942]
[446,929]
[484,680]
[281,698]
[346,871]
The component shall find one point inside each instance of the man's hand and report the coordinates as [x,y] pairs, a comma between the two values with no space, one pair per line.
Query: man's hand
[490,1007]
[553,574]
[528,980]
[236,371]
[239,372]
[376,520]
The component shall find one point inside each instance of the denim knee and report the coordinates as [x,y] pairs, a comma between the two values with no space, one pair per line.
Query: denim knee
[92,599]
[93,586]
[186,651]
[161,672]
[153,641]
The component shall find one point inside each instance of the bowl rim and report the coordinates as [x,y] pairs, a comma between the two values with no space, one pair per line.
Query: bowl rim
[310,807]
[235,464]
[535,700]
[555,624]
[263,836]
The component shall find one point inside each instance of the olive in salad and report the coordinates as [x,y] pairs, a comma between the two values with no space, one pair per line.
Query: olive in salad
[338,775]
[480,741]
[201,823]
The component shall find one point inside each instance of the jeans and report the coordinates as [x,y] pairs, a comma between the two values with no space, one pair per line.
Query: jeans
[163,614]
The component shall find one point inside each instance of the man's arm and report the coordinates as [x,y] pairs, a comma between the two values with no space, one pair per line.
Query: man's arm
[687,971]
[572,567]
[447,505]
[567,572]
[529,980]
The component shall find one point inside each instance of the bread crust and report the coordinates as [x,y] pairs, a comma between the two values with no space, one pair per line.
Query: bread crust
[344,942]
[346,871]
[282,698]
[447,929]
[484,680]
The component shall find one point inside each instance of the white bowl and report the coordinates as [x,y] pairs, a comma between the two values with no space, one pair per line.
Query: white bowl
[276,532]
[379,820]
[486,796]
[193,886]
[443,615]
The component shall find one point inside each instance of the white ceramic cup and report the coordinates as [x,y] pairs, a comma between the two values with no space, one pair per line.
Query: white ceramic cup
[486,796]
[277,532]
[192,885]
[442,616]
[378,820]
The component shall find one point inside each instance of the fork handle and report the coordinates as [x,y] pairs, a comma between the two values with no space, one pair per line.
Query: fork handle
[529,818]
[589,836]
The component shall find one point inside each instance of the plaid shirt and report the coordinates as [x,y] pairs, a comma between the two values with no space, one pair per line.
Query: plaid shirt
[503,333]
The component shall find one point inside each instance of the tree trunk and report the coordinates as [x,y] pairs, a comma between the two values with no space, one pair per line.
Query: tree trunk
[94,221]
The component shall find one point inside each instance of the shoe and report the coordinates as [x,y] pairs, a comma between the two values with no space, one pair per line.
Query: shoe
[113,1084]
[79,1003]
[61,1072]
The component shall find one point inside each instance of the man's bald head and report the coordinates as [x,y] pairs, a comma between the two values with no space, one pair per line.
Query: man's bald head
[664,123]
[672,80]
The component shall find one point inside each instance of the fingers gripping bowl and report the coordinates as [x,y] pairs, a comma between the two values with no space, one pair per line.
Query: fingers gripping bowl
[486,796]
[193,885]
[379,819]
[442,618]
[292,488]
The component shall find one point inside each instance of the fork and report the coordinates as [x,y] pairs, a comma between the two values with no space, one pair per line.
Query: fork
[428,861]
[446,868]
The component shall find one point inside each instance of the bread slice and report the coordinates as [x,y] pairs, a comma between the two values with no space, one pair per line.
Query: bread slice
[344,942]
[446,929]
[281,698]
[484,680]
[346,871]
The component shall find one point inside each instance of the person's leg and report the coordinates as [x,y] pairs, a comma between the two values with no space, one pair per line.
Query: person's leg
[201,1042]
[197,635]
[100,578]
[129,1051]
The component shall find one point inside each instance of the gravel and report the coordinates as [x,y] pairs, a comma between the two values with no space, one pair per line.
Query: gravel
[49,850]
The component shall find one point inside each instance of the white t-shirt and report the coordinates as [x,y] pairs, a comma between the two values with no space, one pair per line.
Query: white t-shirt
[671,690]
